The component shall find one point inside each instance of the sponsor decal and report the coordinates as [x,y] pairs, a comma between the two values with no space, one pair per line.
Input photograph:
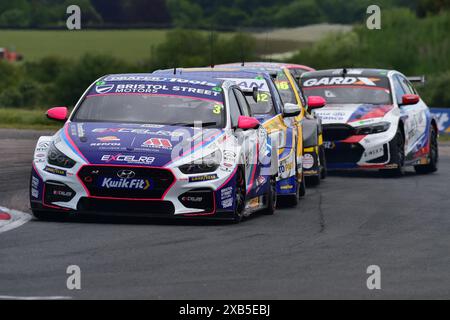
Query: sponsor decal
[336,81]
[192,199]
[260,181]
[138,131]
[128,184]
[308,161]
[373,153]
[248,84]
[158,143]
[145,78]
[108,139]
[103,89]
[128,159]
[287,187]
[56,171]
[35,187]
[105,144]
[43,146]
[61,193]
[208,177]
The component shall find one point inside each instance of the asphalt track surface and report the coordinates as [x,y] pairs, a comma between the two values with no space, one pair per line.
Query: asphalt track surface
[320,249]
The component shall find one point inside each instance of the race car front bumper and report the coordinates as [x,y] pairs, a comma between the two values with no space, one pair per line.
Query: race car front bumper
[169,196]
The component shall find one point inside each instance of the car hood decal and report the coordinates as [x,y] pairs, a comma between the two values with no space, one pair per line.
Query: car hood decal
[351,113]
[135,144]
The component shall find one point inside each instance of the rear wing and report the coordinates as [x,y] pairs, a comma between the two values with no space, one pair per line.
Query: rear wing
[417,79]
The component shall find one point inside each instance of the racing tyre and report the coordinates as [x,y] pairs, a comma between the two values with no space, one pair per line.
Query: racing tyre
[271,197]
[433,156]
[290,200]
[239,197]
[397,147]
[302,192]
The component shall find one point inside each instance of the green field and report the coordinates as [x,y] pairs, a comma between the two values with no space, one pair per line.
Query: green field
[26,119]
[135,45]
[130,45]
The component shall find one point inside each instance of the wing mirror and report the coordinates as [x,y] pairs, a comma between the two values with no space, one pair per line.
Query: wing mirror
[410,99]
[291,110]
[58,114]
[316,102]
[246,123]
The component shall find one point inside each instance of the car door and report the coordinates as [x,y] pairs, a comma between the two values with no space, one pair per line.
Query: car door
[414,115]
[252,142]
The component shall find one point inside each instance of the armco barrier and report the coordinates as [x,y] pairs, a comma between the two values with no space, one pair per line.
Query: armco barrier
[442,116]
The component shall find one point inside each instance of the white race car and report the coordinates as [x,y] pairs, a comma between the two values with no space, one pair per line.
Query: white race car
[144,145]
[374,119]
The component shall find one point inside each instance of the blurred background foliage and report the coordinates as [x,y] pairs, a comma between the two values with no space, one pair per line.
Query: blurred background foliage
[414,40]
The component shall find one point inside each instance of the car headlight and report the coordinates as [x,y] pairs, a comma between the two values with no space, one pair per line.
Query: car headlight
[59,159]
[207,164]
[373,128]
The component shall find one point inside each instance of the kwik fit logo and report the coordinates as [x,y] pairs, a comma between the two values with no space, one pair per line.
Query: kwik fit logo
[130,184]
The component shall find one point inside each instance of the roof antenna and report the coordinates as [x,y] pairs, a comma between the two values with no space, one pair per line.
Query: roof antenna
[175,71]
[344,72]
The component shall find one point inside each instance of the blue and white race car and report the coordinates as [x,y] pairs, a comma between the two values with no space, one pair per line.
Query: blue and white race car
[160,146]
[374,119]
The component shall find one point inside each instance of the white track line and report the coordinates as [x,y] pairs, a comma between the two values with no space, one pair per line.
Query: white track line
[18,219]
[34,298]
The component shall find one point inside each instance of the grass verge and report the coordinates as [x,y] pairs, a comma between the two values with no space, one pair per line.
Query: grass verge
[26,119]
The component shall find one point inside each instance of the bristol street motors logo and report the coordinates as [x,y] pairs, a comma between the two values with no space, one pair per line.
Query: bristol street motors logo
[158,143]
[103,88]
[129,184]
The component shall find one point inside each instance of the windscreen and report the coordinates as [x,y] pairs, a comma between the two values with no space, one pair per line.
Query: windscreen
[284,87]
[264,104]
[349,90]
[165,104]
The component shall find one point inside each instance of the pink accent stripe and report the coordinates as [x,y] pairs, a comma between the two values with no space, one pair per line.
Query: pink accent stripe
[197,146]
[72,143]
[229,179]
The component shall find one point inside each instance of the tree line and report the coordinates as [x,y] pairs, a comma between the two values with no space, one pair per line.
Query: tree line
[201,13]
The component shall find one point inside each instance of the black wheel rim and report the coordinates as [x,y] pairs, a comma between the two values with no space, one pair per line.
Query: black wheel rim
[434,151]
[401,151]
[240,194]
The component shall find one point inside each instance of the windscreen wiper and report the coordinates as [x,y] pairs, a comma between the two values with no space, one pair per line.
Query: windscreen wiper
[202,124]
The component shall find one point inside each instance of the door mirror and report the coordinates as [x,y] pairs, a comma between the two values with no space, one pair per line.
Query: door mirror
[291,110]
[58,114]
[410,99]
[246,123]
[316,102]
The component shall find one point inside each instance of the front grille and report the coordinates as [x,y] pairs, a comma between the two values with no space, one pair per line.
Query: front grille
[143,183]
[345,153]
[140,207]
[337,132]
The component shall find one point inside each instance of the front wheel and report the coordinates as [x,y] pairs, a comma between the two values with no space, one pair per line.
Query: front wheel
[239,205]
[433,155]
[271,197]
[397,149]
